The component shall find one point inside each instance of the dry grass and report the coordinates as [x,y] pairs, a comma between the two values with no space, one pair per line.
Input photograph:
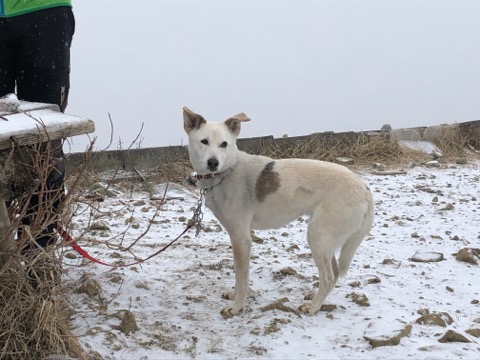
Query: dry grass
[33,310]
[454,141]
[175,170]
[35,319]
[361,148]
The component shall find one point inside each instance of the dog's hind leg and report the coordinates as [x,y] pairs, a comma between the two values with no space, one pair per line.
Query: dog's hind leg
[327,279]
[348,249]
[347,253]
[241,243]
[327,231]
[322,245]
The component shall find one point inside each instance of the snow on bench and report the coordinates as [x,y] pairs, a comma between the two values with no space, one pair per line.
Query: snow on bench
[26,123]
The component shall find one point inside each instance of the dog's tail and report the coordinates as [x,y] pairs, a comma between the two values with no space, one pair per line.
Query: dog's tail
[348,249]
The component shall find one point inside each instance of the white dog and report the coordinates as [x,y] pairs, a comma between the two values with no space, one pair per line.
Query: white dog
[256,192]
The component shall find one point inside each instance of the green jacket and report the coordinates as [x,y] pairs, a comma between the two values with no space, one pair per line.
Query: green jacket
[10,8]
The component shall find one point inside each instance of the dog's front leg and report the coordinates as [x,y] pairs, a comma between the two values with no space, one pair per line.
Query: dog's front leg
[241,244]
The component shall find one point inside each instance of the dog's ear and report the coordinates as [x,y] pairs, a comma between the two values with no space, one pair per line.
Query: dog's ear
[191,120]
[234,123]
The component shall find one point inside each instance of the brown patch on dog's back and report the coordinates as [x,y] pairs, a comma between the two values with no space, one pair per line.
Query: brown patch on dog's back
[267,183]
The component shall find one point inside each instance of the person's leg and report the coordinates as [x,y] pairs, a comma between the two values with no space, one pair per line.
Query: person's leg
[8,38]
[45,77]
[44,204]
[45,56]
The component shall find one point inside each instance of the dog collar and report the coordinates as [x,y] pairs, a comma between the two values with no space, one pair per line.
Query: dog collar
[205,177]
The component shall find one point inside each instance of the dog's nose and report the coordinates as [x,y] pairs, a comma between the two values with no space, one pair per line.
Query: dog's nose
[212,164]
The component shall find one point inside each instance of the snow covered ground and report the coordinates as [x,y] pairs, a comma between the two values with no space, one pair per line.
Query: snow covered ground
[169,307]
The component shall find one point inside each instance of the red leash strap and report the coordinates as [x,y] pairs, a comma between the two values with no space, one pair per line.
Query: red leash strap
[78,248]
[65,236]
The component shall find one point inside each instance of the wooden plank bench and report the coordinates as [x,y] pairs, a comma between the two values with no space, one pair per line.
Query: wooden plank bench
[23,124]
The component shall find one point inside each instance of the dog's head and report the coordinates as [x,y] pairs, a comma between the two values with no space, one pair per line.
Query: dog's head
[212,146]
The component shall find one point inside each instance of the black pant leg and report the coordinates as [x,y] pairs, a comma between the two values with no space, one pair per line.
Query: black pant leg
[44,56]
[9,39]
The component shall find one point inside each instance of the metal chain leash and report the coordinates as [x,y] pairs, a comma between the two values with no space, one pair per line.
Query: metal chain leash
[194,221]
[197,217]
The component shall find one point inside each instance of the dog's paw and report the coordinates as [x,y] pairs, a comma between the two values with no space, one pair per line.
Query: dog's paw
[307,309]
[229,295]
[230,311]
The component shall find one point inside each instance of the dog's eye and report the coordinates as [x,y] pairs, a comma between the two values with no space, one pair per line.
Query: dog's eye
[204,142]
[223,144]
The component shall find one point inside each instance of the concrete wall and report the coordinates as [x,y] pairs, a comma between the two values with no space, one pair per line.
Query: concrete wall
[139,159]
[148,158]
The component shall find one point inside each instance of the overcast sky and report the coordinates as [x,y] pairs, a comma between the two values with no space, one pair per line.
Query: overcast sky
[294,66]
